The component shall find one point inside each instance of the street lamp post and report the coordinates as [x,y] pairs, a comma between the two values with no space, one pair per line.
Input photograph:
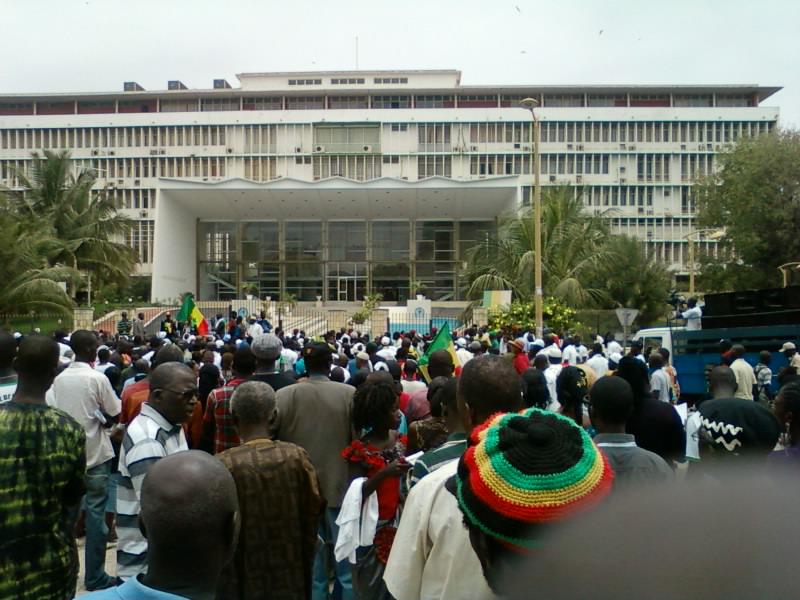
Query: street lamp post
[710,233]
[530,104]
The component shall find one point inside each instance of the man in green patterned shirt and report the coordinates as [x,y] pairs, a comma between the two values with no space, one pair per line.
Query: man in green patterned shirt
[42,465]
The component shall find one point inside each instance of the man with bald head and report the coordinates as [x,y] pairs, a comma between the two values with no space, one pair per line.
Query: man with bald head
[155,433]
[431,555]
[190,518]
[721,384]
[280,503]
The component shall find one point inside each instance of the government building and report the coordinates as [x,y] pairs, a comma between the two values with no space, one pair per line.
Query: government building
[339,184]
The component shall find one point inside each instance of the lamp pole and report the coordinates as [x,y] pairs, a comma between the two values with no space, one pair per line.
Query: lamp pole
[538,299]
[712,234]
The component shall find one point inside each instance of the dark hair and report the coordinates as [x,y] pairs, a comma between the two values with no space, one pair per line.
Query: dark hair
[489,384]
[791,396]
[82,341]
[8,349]
[170,353]
[207,380]
[611,399]
[37,357]
[244,362]
[572,388]
[534,388]
[764,357]
[441,394]
[664,354]
[634,371]
[103,354]
[337,374]
[373,400]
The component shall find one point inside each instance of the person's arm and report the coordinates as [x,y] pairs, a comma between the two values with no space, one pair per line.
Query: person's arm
[396,468]
[110,404]
[209,424]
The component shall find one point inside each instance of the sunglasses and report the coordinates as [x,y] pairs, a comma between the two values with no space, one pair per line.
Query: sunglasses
[185,395]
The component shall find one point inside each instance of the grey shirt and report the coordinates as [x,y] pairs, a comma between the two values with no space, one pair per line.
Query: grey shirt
[316,414]
[631,464]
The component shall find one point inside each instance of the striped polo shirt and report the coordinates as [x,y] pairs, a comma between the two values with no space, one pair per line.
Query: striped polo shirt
[148,438]
[452,449]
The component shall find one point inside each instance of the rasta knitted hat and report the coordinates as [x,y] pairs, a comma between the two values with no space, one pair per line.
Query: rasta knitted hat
[527,469]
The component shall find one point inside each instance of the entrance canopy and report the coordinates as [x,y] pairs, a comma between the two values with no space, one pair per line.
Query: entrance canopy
[182,204]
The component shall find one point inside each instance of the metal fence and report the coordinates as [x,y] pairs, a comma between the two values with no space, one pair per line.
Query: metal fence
[35,322]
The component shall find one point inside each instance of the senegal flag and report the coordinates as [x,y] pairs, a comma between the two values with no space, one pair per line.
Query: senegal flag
[442,341]
[191,314]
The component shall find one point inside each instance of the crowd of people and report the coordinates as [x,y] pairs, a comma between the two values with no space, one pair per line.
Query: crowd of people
[259,463]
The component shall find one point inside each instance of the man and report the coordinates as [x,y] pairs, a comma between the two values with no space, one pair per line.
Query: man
[103,359]
[137,393]
[218,431]
[721,384]
[87,396]
[612,345]
[266,349]
[553,370]
[253,328]
[464,355]
[137,329]
[316,414]
[570,352]
[266,326]
[745,376]
[733,430]
[279,501]
[693,315]
[456,440]
[789,350]
[659,380]
[168,326]
[505,513]
[431,556]
[387,351]
[124,325]
[153,434]
[43,453]
[764,378]
[190,518]
[440,364]
[520,355]
[610,406]
[410,382]
[598,362]
[8,377]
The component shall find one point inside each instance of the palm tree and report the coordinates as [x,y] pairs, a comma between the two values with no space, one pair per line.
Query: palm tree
[633,279]
[84,226]
[29,283]
[573,248]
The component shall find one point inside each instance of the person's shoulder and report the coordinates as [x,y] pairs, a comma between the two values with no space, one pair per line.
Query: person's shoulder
[63,419]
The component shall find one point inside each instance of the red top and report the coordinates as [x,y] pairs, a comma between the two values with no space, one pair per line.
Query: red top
[373,460]
[521,362]
[133,397]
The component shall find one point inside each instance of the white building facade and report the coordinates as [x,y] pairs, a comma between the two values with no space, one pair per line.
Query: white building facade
[338,184]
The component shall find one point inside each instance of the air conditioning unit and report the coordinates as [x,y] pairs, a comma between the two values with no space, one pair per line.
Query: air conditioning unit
[517,146]
[366,148]
[683,146]
[622,169]
[298,149]
[229,150]
[578,178]
[404,177]
[142,214]
[552,178]
[709,147]
[95,152]
[569,147]
[622,146]
[319,148]
[137,182]
[473,148]
[526,148]
[718,147]
[580,146]
[623,180]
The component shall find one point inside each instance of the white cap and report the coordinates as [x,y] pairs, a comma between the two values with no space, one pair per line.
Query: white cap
[219,343]
[362,356]
[358,347]
[381,366]
[615,358]
[385,341]
[461,342]
[552,351]
[162,335]
[788,346]
[17,335]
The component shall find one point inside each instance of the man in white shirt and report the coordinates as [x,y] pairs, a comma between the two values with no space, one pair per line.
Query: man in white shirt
[87,396]
[659,381]
[598,362]
[745,376]
[693,315]
[613,346]
[789,350]
[254,329]
[464,355]
[387,351]
[552,372]
[431,556]
[570,352]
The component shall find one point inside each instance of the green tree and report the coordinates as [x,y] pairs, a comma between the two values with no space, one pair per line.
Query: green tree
[83,226]
[573,247]
[755,196]
[29,283]
[634,280]
[521,316]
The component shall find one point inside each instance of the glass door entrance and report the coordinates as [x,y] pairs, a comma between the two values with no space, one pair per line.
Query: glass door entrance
[347,282]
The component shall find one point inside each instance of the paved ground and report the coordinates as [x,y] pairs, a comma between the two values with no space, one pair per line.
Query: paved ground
[111,563]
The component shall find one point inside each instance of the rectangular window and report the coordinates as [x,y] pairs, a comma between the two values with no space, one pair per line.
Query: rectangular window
[303,240]
[390,240]
[179,105]
[399,126]
[347,102]
[305,103]
[430,166]
[219,104]
[262,103]
[391,102]
[433,102]
[347,240]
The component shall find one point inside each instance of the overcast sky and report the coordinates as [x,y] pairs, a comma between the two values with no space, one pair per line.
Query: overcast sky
[95,45]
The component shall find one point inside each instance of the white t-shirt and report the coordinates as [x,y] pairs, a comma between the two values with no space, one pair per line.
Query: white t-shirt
[431,557]
[599,365]
[693,318]
[570,355]
[659,382]
[614,347]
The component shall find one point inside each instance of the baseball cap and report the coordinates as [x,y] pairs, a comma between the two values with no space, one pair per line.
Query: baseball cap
[266,346]
[788,346]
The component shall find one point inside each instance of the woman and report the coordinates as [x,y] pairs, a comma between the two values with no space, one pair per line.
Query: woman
[430,433]
[572,387]
[378,456]
[787,411]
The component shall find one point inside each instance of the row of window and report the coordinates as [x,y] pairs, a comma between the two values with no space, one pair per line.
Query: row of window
[445,135]
[235,103]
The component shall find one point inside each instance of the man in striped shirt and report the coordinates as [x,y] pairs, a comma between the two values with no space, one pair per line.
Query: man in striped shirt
[152,435]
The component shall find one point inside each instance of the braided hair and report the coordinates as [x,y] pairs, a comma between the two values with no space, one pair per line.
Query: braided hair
[791,404]
[572,388]
[373,400]
[442,394]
